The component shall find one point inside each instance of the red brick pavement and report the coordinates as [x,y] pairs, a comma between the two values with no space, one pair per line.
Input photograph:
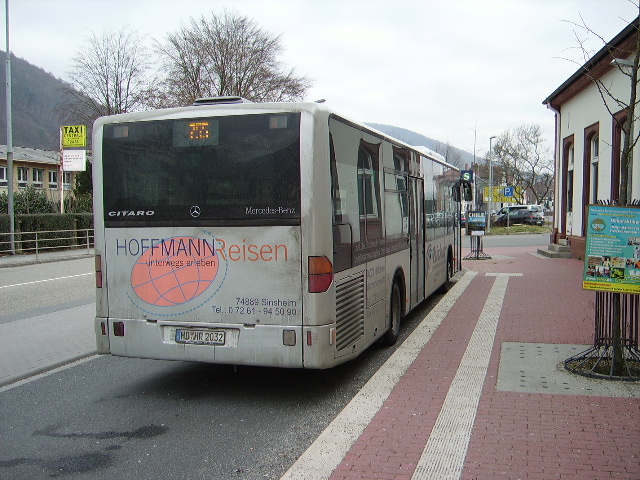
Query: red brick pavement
[515,435]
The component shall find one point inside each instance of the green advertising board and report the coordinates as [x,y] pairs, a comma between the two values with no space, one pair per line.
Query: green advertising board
[612,260]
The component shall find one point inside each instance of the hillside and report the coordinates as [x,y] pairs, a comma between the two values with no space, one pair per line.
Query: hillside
[36,98]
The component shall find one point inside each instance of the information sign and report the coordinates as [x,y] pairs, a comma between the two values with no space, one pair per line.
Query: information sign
[502,194]
[74,160]
[612,260]
[467,175]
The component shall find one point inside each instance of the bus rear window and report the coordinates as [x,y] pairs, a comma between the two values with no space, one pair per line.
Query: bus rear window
[238,169]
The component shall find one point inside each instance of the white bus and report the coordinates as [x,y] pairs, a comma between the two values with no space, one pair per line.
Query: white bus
[273,234]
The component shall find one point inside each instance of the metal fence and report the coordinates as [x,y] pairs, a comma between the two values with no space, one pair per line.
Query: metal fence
[47,241]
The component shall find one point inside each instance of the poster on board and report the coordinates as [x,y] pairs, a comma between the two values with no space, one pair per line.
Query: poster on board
[612,257]
[476,223]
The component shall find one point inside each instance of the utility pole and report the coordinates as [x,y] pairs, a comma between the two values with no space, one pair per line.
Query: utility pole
[490,184]
[9,137]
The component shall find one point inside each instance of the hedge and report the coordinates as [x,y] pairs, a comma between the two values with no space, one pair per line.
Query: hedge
[52,223]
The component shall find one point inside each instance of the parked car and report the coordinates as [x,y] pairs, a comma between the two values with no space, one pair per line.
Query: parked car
[519,217]
[514,208]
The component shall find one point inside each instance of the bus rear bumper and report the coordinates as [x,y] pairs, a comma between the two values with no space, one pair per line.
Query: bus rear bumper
[266,345]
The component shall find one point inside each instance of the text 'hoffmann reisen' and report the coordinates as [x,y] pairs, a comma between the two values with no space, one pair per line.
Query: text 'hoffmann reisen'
[243,251]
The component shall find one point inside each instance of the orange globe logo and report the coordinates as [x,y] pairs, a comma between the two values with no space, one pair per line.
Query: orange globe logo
[174,271]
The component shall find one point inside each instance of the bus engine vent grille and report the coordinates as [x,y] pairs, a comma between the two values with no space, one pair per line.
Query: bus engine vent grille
[349,311]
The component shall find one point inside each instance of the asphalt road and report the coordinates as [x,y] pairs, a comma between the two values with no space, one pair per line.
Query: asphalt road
[31,290]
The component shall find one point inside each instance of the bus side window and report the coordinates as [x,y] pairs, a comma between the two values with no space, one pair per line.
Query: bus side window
[396,213]
[369,189]
[429,197]
[336,198]
[355,190]
[345,208]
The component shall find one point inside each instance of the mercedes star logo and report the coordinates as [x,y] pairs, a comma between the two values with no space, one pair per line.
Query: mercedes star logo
[195,211]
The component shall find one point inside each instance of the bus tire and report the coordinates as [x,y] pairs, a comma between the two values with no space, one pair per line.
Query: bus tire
[446,286]
[449,266]
[395,316]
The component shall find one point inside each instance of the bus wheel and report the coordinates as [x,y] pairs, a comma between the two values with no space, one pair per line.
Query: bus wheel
[444,288]
[395,316]
[449,267]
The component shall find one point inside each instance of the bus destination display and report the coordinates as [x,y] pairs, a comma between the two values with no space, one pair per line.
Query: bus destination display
[195,132]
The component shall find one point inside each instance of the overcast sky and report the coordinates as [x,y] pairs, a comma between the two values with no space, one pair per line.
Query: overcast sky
[458,71]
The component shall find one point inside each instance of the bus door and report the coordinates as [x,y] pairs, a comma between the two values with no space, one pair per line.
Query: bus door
[457,239]
[416,239]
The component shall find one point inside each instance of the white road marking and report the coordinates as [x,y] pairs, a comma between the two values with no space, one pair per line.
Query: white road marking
[46,280]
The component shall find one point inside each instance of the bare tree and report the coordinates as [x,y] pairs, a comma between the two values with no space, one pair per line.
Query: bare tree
[525,159]
[109,76]
[227,55]
[627,60]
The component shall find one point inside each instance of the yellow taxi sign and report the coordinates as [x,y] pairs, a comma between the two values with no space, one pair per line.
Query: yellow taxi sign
[73,136]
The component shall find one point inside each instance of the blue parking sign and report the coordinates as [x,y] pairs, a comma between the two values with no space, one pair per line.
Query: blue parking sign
[509,191]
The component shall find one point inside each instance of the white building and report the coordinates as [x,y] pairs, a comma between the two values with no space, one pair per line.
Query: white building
[589,138]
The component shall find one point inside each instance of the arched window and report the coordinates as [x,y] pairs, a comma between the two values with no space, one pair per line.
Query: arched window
[595,154]
[617,166]
[570,166]
[629,167]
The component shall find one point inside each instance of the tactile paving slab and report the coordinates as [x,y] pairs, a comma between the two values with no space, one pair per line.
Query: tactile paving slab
[539,368]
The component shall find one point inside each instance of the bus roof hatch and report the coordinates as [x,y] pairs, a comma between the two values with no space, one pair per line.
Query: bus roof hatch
[220,100]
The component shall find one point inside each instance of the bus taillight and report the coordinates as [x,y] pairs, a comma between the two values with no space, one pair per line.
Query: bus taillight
[98,260]
[320,274]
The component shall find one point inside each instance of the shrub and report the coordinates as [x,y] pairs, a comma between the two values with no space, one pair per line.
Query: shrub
[80,203]
[27,201]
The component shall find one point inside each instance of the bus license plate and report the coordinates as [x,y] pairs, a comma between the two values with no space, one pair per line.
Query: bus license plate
[200,337]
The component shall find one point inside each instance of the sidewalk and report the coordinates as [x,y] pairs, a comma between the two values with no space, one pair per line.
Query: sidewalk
[44,257]
[35,345]
[478,390]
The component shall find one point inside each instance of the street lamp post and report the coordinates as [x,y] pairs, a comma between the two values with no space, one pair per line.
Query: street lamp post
[9,137]
[490,209]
